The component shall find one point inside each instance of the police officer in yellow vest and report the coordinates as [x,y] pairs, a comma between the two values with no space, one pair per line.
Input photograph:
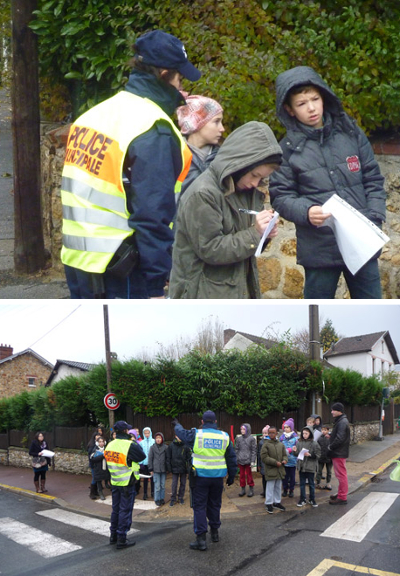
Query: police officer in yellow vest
[123,456]
[124,162]
[213,458]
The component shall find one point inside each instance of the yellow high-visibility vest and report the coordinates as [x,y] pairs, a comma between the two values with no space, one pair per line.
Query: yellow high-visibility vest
[209,453]
[116,457]
[95,214]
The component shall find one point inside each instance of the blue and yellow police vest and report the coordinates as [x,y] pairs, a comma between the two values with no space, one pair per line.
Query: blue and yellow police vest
[95,214]
[209,453]
[116,457]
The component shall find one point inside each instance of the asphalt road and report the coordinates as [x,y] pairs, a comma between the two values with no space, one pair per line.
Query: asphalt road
[281,544]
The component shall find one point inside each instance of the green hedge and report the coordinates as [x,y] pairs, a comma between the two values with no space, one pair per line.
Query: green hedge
[241,47]
[254,382]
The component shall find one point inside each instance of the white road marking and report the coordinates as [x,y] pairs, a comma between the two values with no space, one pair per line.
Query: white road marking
[37,541]
[94,525]
[356,524]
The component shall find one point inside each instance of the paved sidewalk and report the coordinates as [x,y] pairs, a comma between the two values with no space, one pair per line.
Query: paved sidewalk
[71,491]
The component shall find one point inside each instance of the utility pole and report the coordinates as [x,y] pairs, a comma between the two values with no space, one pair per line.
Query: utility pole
[108,361]
[29,255]
[314,339]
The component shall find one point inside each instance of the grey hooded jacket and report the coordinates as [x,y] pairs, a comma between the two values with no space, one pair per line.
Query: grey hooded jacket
[317,163]
[246,447]
[213,253]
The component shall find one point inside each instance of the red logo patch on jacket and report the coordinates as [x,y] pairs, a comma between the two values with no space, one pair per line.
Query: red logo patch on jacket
[353,163]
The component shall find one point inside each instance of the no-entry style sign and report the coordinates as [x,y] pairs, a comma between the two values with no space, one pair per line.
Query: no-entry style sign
[111,401]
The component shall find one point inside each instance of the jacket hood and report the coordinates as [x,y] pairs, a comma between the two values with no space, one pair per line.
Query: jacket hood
[148,86]
[310,429]
[151,434]
[302,75]
[247,145]
[248,430]
[159,434]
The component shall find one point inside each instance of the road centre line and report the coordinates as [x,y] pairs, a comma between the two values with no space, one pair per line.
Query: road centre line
[356,524]
[37,541]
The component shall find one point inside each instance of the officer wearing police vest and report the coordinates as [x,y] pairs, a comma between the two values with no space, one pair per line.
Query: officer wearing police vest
[123,456]
[124,162]
[213,458]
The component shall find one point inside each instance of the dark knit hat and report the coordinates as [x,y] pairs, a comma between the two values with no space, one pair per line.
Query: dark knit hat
[338,406]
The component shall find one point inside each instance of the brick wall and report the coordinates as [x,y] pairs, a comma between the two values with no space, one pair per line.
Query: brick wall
[14,374]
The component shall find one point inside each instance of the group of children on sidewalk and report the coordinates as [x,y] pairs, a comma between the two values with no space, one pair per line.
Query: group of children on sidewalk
[160,459]
[278,460]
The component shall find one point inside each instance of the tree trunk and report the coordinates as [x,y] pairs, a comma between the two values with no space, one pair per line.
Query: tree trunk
[29,255]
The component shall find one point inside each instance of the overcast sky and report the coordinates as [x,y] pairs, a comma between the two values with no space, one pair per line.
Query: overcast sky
[72,331]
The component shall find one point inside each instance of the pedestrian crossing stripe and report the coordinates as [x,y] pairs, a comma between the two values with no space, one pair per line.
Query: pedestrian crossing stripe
[37,541]
[326,564]
[356,524]
[91,524]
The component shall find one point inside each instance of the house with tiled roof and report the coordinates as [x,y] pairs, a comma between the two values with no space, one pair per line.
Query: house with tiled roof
[25,370]
[369,353]
[64,368]
[242,340]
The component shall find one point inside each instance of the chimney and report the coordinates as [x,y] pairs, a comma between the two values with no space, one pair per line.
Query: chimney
[5,351]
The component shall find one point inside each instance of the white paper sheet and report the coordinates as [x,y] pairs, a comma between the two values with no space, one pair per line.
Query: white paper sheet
[47,453]
[267,231]
[358,238]
[302,453]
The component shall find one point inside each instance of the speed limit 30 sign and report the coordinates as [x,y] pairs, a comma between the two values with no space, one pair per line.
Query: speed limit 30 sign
[111,401]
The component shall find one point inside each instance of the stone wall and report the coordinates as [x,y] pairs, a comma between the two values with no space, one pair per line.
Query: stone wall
[14,374]
[76,462]
[280,276]
[71,461]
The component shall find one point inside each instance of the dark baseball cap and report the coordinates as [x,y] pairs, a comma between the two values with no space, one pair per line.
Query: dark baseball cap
[121,425]
[209,416]
[157,48]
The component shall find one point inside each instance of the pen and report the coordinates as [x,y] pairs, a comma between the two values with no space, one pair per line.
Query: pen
[247,211]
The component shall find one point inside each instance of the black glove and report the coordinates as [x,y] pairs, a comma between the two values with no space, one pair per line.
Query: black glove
[229,482]
[174,422]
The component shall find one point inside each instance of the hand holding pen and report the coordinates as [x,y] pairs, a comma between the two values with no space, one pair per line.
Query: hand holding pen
[262,219]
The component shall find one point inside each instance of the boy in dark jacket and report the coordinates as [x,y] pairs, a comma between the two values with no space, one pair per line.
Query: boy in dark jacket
[324,459]
[324,153]
[274,456]
[179,461]
[307,464]
[158,466]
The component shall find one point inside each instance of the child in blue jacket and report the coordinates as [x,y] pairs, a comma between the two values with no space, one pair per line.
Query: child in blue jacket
[289,439]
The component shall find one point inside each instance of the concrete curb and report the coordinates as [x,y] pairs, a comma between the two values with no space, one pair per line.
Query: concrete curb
[367,478]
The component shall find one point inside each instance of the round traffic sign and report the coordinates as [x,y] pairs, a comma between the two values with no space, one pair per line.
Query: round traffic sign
[111,401]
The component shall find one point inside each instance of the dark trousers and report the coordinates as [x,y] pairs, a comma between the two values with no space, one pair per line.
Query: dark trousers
[310,477]
[80,285]
[320,470]
[123,499]
[206,498]
[290,478]
[182,485]
[144,469]
[322,282]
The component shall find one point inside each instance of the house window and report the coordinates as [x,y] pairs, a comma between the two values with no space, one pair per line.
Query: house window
[373,365]
[31,382]
[383,346]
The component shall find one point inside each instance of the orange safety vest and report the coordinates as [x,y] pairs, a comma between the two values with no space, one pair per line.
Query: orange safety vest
[95,214]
